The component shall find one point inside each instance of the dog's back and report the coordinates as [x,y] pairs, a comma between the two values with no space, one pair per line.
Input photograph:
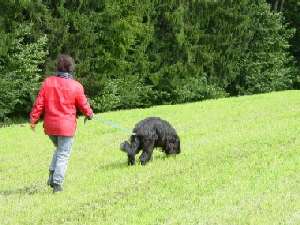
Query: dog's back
[153,126]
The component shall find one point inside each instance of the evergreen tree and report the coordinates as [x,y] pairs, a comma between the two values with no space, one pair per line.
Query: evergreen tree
[137,53]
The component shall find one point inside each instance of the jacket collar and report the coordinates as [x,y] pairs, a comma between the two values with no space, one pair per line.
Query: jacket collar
[65,75]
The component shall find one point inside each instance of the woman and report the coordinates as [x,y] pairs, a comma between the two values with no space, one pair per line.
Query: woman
[58,100]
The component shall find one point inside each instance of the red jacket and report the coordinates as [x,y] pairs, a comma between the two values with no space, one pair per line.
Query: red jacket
[58,100]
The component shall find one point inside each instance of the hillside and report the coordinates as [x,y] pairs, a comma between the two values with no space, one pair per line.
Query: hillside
[240,164]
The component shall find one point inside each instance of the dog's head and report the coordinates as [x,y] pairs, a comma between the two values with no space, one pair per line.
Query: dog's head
[173,145]
[125,147]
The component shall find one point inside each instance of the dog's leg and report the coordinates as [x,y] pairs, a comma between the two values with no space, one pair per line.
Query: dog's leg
[147,151]
[135,144]
[131,160]
[134,149]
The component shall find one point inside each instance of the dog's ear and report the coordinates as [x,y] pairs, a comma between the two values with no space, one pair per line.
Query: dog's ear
[169,146]
[173,145]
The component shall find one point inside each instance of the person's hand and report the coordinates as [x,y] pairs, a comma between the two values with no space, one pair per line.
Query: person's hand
[32,126]
[88,118]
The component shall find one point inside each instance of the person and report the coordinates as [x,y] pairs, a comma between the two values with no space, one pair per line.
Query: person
[58,100]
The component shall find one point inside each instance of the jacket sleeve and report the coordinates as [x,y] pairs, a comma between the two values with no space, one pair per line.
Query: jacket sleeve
[38,107]
[82,103]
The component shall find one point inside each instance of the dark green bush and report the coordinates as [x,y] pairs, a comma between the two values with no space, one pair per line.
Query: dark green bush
[121,93]
[20,72]
[141,53]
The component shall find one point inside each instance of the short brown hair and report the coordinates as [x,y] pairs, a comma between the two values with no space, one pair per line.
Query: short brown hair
[65,63]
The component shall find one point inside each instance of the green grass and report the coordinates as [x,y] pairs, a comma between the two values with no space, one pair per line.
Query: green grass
[240,164]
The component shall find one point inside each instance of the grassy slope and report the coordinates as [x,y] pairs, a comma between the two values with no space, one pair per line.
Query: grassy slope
[240,164]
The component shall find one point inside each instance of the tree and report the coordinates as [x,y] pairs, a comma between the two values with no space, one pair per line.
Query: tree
[139,53]
[20,72]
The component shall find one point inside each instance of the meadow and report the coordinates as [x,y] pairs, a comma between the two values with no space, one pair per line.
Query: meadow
[240,165]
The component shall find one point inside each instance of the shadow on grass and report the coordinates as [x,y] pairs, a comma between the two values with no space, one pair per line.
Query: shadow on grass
[117,165]
[113,166]
[27,190]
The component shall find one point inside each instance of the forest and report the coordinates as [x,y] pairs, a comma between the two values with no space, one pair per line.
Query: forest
[139,53]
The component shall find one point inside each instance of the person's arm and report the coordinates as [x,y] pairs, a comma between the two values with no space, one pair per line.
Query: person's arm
[38,107]
[82,104]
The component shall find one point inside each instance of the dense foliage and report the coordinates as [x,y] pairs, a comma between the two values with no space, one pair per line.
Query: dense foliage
[138,53]
[291,12]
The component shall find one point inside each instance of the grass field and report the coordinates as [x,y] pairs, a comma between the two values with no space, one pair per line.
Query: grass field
[240,164]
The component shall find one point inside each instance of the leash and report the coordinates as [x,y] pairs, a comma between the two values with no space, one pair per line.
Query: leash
[112,124]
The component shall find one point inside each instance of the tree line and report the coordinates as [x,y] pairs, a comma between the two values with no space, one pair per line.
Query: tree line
[138,53]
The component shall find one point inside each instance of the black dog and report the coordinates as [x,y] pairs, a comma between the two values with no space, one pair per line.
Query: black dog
[150,133]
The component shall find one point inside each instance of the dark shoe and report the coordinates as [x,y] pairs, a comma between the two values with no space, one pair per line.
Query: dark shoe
[50,179]
[57,188]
